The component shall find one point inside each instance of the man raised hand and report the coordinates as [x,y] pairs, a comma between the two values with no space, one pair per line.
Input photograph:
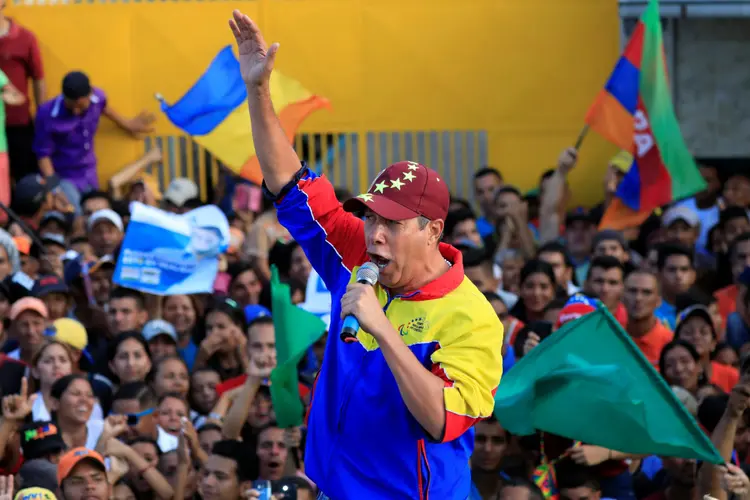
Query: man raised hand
[427,356]
[278,161]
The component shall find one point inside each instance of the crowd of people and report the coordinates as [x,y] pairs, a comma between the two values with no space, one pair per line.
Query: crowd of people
[108,392]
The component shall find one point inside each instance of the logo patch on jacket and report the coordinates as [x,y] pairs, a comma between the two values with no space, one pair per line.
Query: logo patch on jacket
[416,326]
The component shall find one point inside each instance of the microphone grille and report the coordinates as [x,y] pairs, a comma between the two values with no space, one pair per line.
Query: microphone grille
[368,272]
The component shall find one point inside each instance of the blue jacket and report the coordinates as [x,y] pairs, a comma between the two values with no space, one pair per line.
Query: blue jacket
[362,441]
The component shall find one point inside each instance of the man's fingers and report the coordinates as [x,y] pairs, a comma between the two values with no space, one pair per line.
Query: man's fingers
[24,387]
[271,56]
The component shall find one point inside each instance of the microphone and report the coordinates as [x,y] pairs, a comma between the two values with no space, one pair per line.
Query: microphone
[368,275]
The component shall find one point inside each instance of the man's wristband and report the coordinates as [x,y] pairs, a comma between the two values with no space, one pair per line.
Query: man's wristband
[287,187]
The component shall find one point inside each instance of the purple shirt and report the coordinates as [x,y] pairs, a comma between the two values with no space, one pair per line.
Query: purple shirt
[68,140]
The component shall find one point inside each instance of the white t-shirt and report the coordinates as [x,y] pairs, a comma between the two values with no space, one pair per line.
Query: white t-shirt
[165,440]
[94,428]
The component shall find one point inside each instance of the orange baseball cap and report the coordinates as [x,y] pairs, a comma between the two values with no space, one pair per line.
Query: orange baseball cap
[74,457]
[28,304]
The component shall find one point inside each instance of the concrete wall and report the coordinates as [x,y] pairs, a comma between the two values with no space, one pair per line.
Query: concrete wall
[711,72]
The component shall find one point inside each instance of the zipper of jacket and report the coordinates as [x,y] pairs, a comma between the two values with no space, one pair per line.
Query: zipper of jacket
[350,385]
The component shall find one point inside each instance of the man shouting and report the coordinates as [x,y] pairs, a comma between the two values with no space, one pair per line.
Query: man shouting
[392,412]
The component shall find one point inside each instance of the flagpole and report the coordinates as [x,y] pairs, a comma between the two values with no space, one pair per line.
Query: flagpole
[581,136]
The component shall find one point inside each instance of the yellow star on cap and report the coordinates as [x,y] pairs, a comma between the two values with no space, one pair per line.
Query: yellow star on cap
[396,183]
[365,197]
[412,165]
[380,186]
[408,176]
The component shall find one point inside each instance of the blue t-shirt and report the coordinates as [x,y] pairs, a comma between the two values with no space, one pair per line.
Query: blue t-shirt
[667,314]
[188,354]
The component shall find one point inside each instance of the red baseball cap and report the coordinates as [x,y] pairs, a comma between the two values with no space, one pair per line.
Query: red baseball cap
[403,191]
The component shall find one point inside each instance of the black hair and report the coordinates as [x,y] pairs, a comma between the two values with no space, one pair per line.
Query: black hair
[281,256]
[236,269]
[606,262]
[667,250]
[555,304]
[571,475]
[230,308]
[62,384]
[121,338]
[122,292]
[546,175]
[342,194]
[556,247]
[295,286]
[260,320]
[455,217]
[487,170]
[146,439]
[474,257]
[731,213]
[460,201]
[76,85]
[208,426]
[490,296]
[247,463]
[692,297]
[508,189]
[535,266]
[136,390]
[735,243]
[192,203]
[95,195]
[173,395]
[711,410]
[521,482]
[722,346]
[672,345]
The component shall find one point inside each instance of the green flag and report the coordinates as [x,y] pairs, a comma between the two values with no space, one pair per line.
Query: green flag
[589,382]
[296,330]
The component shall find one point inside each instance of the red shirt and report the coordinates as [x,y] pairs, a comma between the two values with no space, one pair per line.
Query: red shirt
[21,61]
[724,376]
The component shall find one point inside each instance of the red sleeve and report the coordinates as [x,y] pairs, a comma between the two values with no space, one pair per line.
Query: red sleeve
[36,69]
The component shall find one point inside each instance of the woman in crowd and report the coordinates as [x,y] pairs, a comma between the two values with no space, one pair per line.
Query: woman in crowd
[72,403]
[51,362]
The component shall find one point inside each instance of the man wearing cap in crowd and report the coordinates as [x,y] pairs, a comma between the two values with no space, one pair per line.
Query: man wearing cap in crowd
[684,226]
[162,339]
[56,222]
[53,291]
[105,232]
[35,494]
[29,316]
[41,441]
[425,329]
[65,130]
[81,474]
[179,192]
[33,197]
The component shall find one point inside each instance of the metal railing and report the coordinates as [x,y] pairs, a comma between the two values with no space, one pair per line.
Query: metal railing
[350,160]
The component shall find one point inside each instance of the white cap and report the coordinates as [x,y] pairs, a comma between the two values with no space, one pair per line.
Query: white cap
[181,190]
[106,214]
[157,327]
[682,213]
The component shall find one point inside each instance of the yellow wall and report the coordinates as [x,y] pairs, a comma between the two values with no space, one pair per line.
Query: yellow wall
[524,70]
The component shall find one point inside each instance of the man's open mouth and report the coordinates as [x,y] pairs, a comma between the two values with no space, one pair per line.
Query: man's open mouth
[379,261]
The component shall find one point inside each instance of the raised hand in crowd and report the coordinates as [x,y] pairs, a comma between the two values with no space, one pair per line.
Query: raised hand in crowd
[142,123]
[190,437]
[531,342]
[17,407]
[6,487]
[736,482]
[589,454]
[114,426]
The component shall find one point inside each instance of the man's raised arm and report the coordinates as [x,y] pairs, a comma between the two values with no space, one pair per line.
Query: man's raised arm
[278,161]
